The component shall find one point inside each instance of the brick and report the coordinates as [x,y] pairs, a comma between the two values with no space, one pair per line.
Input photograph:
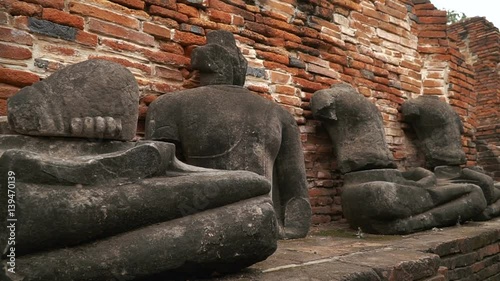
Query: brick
[15,36]
[228,27]
[170,4]
[283,25]
[459,260]
[21,22]
[307,85]
[7,91]
[156,30]
[432,20]
[432,50]
[253,35]
[289,100]
[342,60]
[281,6]
[432,34]
[14,52]
[221,6]
[3,107]
[369,12]
[56,4]
[17,77]
[321,219]
[314,60]
[162,87]
[192,28]
[59,50]
[430,13]
[63,18]
[489,250]
[170,23]
[48,65]
[136,4]
[237,20]
[259,90]
[5,4]
[103,14]
[323,71]
[219,16]
[157,10]
[203,23]
[25,9]
[277,77]
[166,58]
[316,192]
[172,47]
[168,73]
[348,4]
[286,90]
[125,62]
[85,38]
[321,25]
[390,11]
[109,29]
[52,29]
[187,38]
[188,10]
[333,40]
[278,66]
[272,57]
[118,8]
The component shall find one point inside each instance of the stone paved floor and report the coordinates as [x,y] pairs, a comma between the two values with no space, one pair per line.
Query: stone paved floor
[335,252]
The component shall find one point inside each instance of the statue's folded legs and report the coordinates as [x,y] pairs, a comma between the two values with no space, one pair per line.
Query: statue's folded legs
[89,204]
[377,197]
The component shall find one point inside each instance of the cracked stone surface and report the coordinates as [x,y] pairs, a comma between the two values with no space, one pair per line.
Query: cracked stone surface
[334,252]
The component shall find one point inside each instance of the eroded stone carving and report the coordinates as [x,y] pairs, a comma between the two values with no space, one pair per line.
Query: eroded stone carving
[439,130]
[227,127]
[379,199]
[93,99]
[103,210]
[220,61]
[354,126]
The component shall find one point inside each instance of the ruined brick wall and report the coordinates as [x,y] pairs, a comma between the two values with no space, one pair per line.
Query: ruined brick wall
[479,41]
[390,50]
[470,257]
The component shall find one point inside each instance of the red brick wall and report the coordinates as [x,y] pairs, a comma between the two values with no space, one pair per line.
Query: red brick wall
[390,50]
[479,41]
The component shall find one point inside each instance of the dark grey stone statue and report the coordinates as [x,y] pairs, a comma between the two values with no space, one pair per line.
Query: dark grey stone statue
[354,124]
[220,61]
[227,127]
[130,210]
[92,99]
[88,209]
[379,199]
[439,129]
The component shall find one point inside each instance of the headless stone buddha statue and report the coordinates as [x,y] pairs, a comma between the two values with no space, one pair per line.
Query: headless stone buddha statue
[222,125]
[439,128]
[376,197]
[87,207]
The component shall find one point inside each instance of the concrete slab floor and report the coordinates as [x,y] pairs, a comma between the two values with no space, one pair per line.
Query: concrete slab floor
[335,252]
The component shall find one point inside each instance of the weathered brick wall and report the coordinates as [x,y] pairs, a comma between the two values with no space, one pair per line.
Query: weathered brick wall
[390,50]
[471,258]
[479,41]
